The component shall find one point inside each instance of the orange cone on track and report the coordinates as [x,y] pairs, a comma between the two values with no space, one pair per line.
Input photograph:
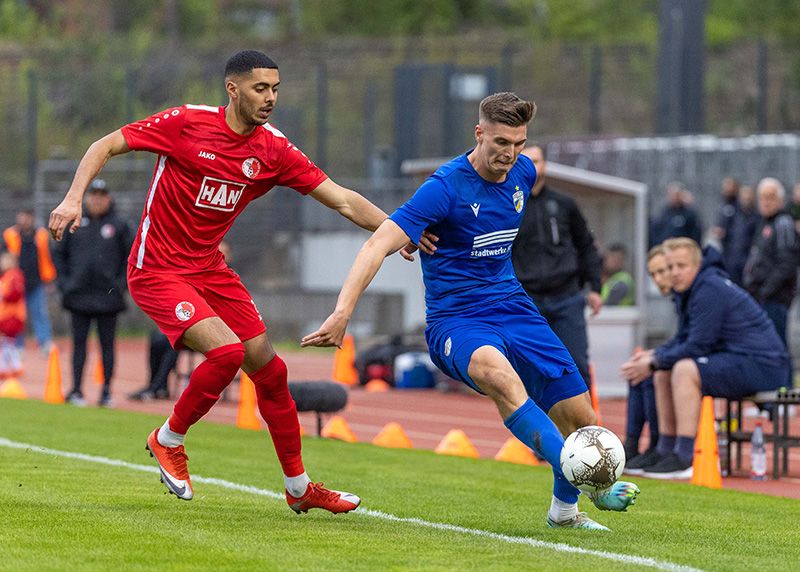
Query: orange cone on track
[337,428]
[98,375]
[458,444]
[344,360]
[515,451]
[377,386]
[705,468]
[246,414]
[11,389]
[52,388]
[593,395]
[392,436]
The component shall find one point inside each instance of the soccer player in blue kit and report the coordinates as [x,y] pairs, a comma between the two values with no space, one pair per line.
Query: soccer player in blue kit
[482,328]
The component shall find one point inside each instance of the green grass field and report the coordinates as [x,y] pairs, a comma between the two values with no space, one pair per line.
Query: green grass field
[58,512]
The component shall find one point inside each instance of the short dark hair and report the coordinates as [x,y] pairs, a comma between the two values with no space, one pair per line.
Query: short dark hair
[246,61]
[618,247]
[507,108]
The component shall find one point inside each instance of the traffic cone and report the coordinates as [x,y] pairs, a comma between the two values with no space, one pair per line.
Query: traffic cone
[458,444]
[337,428]
[593,395]
[52,388]
[515,451]
[705,467]
[11,389]
[377,386]
[344,368]
[98,375]
[246,413]
[392,436]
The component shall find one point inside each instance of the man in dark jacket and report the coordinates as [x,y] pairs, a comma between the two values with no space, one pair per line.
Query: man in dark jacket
[740,233]
[555,259]
[92,264]
[770,273]
[725,347]
[677,219]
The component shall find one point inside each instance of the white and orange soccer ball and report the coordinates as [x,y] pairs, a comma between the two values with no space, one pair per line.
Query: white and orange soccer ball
[592,458]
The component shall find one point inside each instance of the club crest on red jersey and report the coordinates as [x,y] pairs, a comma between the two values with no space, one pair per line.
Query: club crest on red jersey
[184,311]
[219,194]
[251,168]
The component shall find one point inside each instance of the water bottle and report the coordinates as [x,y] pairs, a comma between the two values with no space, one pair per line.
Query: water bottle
[758,455]
[722,447]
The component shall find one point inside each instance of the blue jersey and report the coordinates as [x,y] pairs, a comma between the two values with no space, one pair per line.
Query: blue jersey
[476,222]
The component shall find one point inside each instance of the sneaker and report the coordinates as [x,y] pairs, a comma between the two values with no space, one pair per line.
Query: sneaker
[637,465]
[76,399]
[161,394]
[141,395]
[618,497]
[580,521]
[105,401]
[317,496]
[172,464]
[669,467]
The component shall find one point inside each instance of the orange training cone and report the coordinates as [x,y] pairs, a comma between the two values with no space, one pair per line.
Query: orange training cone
[593,395]
[52,388]
[11,389]
[377,386]
[458,444]
[344,369]
[515,451]
[705,468]
[246,414]
[393,436]
[337,428]
[98,375]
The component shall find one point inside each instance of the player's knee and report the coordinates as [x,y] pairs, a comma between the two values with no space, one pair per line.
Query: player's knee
[227,359]
[272,376]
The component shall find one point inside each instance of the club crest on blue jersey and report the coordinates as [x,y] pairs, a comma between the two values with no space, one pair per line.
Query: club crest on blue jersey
[519,199]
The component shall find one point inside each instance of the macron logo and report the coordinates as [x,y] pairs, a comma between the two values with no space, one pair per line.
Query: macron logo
[219,195]
[475,208]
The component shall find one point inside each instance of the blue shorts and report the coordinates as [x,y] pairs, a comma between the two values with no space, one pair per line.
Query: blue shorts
[734,376]
[517,329]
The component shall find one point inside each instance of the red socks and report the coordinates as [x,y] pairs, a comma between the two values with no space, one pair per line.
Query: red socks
[278,409]
[206,384]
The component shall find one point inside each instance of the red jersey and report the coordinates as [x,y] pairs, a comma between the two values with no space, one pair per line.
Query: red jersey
[12,302]
[204,177]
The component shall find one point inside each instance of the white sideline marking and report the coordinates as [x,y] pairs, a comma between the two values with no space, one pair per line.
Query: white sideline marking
[558,547]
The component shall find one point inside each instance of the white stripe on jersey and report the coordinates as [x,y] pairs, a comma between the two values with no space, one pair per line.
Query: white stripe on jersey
[202,107]
[274,130]
[162,161]
[495,237]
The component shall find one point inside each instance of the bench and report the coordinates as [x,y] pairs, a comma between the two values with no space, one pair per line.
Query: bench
[780,401]
[319,397]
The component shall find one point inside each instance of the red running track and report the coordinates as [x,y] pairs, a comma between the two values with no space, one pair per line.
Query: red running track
[426,415]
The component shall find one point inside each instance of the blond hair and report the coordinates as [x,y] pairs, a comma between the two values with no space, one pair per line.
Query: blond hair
[655,251]
[686,243]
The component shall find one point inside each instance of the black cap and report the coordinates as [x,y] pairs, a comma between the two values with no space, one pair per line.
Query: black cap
[98,186]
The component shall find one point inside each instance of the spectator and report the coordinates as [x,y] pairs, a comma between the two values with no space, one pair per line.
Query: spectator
[677,219]
[31,245]
[740,234]
[770,273]
[794,208]
[618,286]
[641,395]
[12,314]
[727,210]
[724,347]
[92,265]
[555,259]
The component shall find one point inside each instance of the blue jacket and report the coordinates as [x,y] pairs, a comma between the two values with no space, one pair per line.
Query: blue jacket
[715,315]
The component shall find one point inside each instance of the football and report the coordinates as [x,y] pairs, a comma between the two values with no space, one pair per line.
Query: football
[592,458]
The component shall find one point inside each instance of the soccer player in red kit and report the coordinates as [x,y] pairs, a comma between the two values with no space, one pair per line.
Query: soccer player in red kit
[212,161]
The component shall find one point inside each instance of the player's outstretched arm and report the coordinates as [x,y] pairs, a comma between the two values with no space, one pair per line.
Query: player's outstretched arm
[69,211]
[389,238]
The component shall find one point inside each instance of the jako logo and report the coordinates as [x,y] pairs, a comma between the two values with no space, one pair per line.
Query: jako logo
[206,155]
[184,311]
[219,195]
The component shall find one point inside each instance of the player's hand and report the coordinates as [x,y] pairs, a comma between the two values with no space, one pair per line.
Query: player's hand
[636,369]
[66,214]
[426,245]
[595,302]
[330,333]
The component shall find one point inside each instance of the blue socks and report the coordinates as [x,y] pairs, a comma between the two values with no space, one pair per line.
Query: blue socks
[666,443]
[684,448]
[533,427]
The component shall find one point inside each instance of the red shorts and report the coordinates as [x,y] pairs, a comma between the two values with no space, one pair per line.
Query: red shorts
[176,302]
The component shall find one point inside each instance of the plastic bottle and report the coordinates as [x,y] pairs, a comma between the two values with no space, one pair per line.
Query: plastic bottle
[758,455]
[722,447]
